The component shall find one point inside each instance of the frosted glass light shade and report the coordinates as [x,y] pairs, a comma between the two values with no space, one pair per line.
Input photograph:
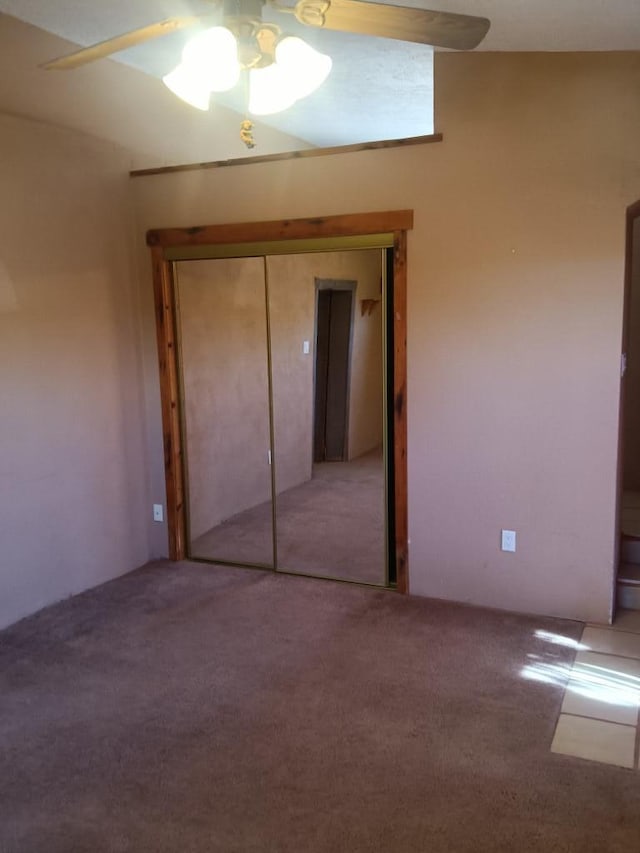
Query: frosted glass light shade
[210,64]
[269,91]
[212,56]
[188,87]
[298,71]
[306,68]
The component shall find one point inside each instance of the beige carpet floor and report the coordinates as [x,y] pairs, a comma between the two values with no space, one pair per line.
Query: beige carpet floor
[331,526]
[216,710]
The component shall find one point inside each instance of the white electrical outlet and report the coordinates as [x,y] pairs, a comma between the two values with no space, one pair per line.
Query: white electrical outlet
[508,540]
[158,514]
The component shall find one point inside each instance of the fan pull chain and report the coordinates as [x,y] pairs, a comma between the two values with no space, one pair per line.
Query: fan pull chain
[246,133]
[246,125]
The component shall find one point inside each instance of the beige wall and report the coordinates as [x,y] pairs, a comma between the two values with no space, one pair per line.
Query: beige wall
[74,491]
[631,469]
[291,314]
[223,342]
[515,285]
[366,416]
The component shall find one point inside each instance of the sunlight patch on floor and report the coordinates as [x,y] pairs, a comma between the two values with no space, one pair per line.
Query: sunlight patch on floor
[599,714]
[559,640]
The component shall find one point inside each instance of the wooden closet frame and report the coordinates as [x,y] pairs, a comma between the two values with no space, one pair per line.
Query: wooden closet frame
[163,240]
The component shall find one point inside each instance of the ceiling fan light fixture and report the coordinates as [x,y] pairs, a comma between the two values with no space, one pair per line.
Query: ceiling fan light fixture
[306,67]
[282,69]
[188,87]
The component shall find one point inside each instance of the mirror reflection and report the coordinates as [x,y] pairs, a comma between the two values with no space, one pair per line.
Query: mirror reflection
[282,380]
[222,335]
[326,313]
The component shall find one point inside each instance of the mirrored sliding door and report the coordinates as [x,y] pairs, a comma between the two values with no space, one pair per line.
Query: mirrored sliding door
[327,347]
[282,364]
[224,378]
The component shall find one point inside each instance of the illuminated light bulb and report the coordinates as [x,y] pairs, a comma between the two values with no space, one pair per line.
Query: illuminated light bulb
[306,68]
[210,64]
[188,87]
[269,91]
[212,56]
[297,72]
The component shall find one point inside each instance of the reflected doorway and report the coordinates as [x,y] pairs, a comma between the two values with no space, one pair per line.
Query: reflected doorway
[334,316]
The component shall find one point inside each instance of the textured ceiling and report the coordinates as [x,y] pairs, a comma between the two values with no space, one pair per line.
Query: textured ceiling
[516,24]
[378,88]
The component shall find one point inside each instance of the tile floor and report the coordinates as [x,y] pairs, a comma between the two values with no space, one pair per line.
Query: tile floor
[599,715]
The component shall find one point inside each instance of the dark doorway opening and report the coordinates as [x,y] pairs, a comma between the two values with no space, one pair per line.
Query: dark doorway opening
[628,508]
[334,314]
[392,571]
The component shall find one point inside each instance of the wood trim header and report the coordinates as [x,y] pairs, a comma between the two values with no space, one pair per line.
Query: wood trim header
[302,154]
[284,229]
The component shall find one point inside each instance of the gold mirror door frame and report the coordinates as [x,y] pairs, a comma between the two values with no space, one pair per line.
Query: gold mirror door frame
[357,231]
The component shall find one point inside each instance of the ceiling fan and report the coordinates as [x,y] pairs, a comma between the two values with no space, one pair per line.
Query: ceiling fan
[282,69]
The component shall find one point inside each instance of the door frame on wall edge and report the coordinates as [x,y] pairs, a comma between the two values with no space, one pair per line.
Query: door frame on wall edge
[632,213]
[165,242]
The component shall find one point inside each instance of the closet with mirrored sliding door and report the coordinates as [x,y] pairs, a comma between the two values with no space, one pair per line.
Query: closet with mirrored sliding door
[283,386]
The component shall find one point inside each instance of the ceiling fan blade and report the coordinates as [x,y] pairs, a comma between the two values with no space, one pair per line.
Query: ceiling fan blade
[106,48]
[440,29]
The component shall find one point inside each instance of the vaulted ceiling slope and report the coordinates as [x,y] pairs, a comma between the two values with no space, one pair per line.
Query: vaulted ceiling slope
[118,104]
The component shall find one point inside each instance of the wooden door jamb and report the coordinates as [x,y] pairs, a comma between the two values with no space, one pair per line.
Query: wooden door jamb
[396,223]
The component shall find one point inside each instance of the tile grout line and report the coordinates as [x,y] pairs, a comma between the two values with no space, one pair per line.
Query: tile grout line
[601,720]
[611,629]
[608,654]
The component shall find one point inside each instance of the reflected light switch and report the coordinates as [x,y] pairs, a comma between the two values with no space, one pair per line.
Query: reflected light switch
[305,347]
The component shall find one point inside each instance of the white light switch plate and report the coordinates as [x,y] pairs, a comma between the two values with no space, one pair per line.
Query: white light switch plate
[508,540]
[158,514]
